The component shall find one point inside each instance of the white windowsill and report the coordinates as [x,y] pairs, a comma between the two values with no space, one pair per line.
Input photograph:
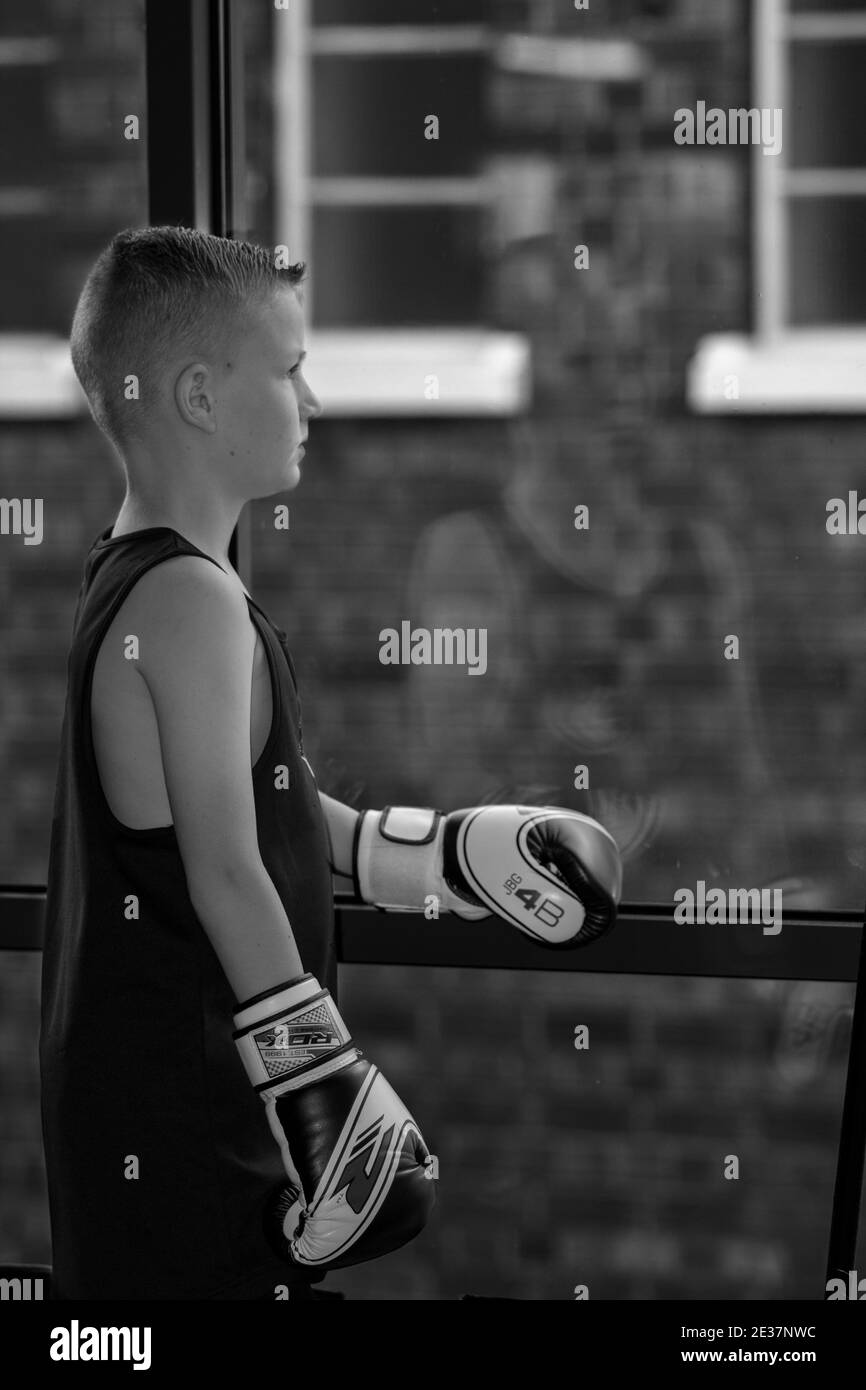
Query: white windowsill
[382,371]
[577,59]
[353,372]
[807,371]
[36,378]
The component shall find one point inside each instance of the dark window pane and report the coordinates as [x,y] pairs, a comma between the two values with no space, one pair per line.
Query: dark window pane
[825,7]
[24,1218]
[826,125]
[26,18]
[32,245]
[398,12]
[25,100]
[370,115]
[62,140]
[396,266]
[828,273]
[717,1060]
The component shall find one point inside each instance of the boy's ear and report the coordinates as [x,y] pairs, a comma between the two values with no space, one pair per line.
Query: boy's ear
[195,398]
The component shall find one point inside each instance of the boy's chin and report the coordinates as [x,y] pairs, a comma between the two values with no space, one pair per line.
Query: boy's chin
[289,480]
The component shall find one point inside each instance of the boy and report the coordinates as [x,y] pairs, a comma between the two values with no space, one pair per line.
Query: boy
[189,918]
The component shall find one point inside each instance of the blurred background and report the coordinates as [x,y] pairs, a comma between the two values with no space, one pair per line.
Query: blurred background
[697,386]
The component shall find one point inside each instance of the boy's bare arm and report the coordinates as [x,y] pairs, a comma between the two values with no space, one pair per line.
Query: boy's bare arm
[196,658]
[355,1161]
[341,821]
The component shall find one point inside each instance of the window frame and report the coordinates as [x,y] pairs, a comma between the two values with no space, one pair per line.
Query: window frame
[779,368]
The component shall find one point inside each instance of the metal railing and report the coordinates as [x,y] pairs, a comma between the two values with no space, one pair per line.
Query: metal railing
[646,941]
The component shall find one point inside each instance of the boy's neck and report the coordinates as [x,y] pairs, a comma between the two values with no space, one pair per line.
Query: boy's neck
[134,516]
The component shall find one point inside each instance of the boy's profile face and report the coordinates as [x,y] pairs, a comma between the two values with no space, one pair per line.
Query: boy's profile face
[262,402]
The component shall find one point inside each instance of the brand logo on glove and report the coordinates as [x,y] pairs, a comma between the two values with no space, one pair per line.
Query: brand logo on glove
[305,1037]
[287,1046]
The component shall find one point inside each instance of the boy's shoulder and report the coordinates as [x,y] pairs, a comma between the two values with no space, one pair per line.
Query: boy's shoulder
[185,583]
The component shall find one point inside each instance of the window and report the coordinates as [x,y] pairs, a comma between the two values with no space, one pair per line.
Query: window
[809,204]
[35,376]
[393,223]
[68,181]
[66,185]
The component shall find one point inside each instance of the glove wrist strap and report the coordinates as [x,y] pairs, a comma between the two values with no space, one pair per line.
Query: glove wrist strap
[292,1037]
[399,856]
[398,862]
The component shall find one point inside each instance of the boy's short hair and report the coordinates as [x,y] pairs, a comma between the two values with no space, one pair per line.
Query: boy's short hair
[157,291]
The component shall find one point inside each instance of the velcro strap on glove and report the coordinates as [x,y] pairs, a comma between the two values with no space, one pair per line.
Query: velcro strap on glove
[292,1036]
[398,857]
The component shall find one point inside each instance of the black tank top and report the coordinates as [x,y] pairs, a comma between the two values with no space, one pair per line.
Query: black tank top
[136,1051]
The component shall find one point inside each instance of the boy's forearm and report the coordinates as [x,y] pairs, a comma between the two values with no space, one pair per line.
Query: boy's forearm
[245,921]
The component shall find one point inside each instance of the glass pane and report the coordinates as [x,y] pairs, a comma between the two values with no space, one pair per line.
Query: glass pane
[826,128]
[605,650]
[26,19]
[817,7]
[84,181]
[611,1166]
[370,115]
[395,266]
[828,277]
[68,181]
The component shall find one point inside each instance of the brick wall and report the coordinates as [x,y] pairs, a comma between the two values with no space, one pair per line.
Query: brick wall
[558,1167]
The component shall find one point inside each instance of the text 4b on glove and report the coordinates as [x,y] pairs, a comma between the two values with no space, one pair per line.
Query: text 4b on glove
[553,873]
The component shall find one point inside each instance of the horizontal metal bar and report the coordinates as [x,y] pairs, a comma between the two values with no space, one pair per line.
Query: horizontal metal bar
[645,941]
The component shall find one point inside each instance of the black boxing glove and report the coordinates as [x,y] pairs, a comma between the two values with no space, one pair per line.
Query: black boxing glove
[359,1177]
